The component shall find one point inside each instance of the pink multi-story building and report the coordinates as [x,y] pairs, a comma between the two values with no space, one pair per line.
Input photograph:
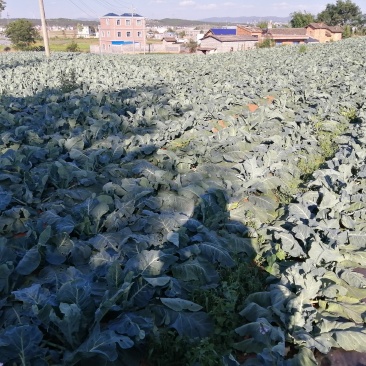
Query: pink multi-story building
[116,31]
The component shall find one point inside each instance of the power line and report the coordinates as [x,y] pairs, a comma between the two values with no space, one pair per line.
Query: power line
[89,15]
[87,7]
[113,6]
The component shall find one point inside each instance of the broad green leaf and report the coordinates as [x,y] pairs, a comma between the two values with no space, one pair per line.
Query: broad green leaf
[195,270]
[114,276]
[299,211]
[150,263]
[215,253]
[5,199]
[351,340]
[21,343]
[193,325]
[180,304]
[353,278]
[68,323]
[30,262]
[352,311]
[158,281]
[45,236]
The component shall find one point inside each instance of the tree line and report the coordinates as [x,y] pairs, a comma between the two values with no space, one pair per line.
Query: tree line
[343,13]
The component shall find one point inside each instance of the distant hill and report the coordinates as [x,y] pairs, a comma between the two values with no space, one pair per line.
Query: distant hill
[61,22]
[166,22]
[170,22]
[238,20]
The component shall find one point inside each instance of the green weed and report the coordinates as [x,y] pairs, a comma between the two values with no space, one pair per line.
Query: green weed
[223,304]
[303,49]
[68,81]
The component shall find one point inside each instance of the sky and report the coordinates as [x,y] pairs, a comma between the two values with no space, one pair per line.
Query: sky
[158,9]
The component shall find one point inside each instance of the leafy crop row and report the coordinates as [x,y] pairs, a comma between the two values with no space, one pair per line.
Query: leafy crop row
[134,191]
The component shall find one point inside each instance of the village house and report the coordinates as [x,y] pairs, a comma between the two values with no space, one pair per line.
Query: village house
[171,45]
[86,31]
[226,43]
[324,33]
[286,36]
[192,33]
[244,30]
[117,31]
[220,32]
[161,36]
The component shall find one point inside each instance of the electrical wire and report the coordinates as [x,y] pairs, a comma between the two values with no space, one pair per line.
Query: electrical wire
[112,6]
[96,14]
[89,15]
[92,13]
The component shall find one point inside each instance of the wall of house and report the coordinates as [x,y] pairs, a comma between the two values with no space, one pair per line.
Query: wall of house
[245,32]
[227,46]
[127,29]
[286,42]
[236,46]
[337,36]
[323,35]
[209,43]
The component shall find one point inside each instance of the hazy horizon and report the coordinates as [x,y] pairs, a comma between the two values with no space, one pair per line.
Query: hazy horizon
[159,9]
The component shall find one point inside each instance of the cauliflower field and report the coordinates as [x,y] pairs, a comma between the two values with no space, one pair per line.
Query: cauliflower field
[181,209]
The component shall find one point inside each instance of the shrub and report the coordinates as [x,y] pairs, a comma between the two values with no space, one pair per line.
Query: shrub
[68,82]
[303,49]
[267,43]
[35,48]
[72,47]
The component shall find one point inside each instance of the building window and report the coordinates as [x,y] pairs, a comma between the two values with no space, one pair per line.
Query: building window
[102,34]
[107,21]
[128,22]
[119,34]
[103,46]
[128,34]
[108,33]
[138,21]
[109,46]
[278,43]
[118,22]
[296,42]
[139,34]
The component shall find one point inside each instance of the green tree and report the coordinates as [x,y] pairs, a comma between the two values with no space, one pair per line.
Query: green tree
[347,32]
[262,25]
[192,46]
[21,33]
[72,47]
[2,5]
[301,19]
[266,43]
[342,13]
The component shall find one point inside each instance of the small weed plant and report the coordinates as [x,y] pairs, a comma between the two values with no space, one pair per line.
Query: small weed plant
[303,49]
[73,47]
[223,304]
[68,81]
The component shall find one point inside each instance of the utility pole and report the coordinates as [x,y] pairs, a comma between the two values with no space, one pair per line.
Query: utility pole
[144,35]
[44,29]
[133,32]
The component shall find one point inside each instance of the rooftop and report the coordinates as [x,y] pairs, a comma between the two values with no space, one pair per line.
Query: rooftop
[250,28]
[286,31]
[334,29]
[234,38]
[129,15]
[222,31]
